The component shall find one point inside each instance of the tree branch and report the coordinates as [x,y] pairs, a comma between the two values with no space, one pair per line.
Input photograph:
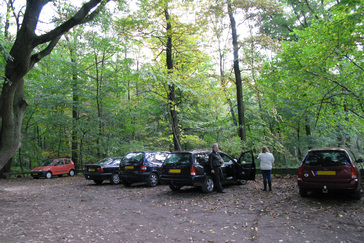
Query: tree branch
[82,16]
[40,55]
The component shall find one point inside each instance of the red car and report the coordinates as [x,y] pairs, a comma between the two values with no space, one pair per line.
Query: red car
[58,167]
[329,169]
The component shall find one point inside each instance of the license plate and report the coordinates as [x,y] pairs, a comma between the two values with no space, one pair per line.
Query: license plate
[91,170]
[175,171]
[35,173]
[329,172]
[129,167]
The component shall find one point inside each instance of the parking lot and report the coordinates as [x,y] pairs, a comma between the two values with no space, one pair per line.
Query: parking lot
[72,209]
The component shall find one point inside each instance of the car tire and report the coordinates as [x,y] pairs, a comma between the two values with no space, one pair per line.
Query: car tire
[115,179]
[126,183]
[152,180]
[242,182]
[208,185]
[174,187]
[303,192]
[48,175]
[71,173]
[98,182]
[357,195]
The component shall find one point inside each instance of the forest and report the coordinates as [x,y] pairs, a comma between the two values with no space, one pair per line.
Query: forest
[96,78]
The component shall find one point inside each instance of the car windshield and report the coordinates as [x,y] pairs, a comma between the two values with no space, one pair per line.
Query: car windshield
[108,161]
[329,158]
[178,158]
[133,157]
[48,163]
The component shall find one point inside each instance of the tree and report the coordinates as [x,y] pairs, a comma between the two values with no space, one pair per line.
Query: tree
[238,80]
[27,50]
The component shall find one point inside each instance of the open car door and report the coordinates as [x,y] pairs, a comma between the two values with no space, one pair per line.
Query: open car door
[245,166]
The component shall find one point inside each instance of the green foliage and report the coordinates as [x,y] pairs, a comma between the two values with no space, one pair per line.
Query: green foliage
[113,75]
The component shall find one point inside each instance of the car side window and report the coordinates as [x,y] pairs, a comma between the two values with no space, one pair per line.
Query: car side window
[160,157]
[67,161]
[246,158]
[227,159]
[151,158]
[116,162]
[202,158]
[59,162]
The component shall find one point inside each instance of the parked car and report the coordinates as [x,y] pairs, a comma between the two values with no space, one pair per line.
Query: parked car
[191,168]
[53,167]
[142,167]
[329,169]
[105,169]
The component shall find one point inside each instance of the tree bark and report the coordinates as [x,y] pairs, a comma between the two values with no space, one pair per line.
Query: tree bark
[12,100]
[172,89]
[238,80]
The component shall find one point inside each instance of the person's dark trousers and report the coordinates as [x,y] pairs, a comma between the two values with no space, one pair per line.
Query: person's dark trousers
[267,178]
[218,177]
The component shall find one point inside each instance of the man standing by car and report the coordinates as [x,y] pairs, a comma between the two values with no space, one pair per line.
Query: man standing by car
[215,162]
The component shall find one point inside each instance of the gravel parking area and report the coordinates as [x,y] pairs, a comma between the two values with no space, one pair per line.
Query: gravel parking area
[72,209]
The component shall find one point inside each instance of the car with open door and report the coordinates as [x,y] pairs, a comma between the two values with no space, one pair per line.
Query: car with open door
[104,169]
[191,168]
[329,170]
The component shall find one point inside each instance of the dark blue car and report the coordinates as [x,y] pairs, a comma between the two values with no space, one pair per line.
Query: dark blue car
[105,169]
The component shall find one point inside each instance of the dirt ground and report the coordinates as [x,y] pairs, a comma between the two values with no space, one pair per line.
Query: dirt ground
[72,209]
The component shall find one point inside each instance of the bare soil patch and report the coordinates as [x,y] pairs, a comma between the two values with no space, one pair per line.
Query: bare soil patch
[72,209]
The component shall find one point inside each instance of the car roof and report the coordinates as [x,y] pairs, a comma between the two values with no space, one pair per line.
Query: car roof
[149,151]
[327,149]
[195,151]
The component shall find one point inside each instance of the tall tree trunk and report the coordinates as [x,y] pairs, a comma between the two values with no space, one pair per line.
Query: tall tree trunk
[99,106]
[12,101]
[239,85]
[75,114]
[172,89]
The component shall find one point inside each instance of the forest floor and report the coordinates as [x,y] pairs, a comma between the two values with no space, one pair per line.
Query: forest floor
[73,209]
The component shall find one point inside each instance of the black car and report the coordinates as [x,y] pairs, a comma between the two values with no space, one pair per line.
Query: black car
[105,169]
[192,169]
[142,167]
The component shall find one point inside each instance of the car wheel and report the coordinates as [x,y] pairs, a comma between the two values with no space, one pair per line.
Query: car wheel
[208,185]
[115,179]
[357,195]
[48,175]
[303,192]
[71,173]
[174,187]
[242,182]
[126,183]
[98,182]
[152,180]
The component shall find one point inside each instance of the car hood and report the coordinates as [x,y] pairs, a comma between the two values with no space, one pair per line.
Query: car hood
[43,168]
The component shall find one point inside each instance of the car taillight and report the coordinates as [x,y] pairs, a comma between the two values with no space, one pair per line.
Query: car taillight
[354,173]
[86,169]
[100,170]
[143,168]
[300,172]
[193,171]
